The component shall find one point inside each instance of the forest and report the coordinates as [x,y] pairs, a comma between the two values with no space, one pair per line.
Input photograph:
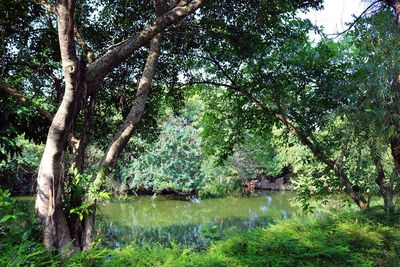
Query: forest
[198,133]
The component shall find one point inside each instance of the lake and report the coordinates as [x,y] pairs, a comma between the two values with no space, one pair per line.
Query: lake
[195,223]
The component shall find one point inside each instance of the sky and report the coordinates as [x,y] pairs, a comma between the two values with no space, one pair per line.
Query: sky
[336,14]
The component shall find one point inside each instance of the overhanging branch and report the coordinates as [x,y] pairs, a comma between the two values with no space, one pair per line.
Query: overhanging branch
[12,92]
[354,23]
[106,63]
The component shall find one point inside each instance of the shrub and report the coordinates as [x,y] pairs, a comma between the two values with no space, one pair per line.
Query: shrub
[172,163]
[26,253]
[176,162]
[17,223]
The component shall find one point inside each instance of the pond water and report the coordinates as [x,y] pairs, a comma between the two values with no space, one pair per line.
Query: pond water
[195,223]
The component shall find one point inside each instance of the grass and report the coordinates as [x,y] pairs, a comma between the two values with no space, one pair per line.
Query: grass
[341,239]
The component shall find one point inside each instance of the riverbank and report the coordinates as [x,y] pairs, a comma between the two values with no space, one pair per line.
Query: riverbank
[351,238]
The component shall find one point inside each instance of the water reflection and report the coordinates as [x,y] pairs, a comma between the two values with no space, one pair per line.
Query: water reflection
[195,224]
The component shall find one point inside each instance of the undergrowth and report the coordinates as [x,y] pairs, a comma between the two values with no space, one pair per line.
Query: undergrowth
[341,239]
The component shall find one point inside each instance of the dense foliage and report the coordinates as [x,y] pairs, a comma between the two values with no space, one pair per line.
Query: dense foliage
[175,161]
[196,97]
[319,97]
[172,163]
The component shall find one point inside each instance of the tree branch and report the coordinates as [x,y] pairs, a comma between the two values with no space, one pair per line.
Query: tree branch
[131,122]
[313,145]
[105,64]
[48,72]
[355,21]
[38,69]
[49,7]
[12,92]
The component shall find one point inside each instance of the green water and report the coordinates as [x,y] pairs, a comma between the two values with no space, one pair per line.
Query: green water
[189,223]
[195,224]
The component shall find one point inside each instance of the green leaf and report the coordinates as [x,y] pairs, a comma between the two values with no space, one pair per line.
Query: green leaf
[7,218]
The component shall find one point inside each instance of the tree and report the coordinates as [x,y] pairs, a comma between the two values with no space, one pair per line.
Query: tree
[290,82]
[81,82]
[81,35]
[373,87]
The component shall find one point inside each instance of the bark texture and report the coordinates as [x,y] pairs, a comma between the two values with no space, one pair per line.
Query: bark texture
[385,189]
[131,122]
[49,205]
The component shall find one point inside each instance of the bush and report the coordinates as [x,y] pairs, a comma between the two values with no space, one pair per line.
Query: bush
[19,234]
[172,163]
[221,186]
[19,171]
[17,223]
[27,253]
[175,162]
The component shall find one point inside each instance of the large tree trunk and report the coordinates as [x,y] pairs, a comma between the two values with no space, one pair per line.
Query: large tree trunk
[49,205]
[350,189]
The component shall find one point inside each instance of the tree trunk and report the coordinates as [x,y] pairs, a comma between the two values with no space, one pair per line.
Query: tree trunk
[132,120]
[49,205]
[385,189]
[395,150]
[126,130]
[87,128]
[88,227]
[351,189]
